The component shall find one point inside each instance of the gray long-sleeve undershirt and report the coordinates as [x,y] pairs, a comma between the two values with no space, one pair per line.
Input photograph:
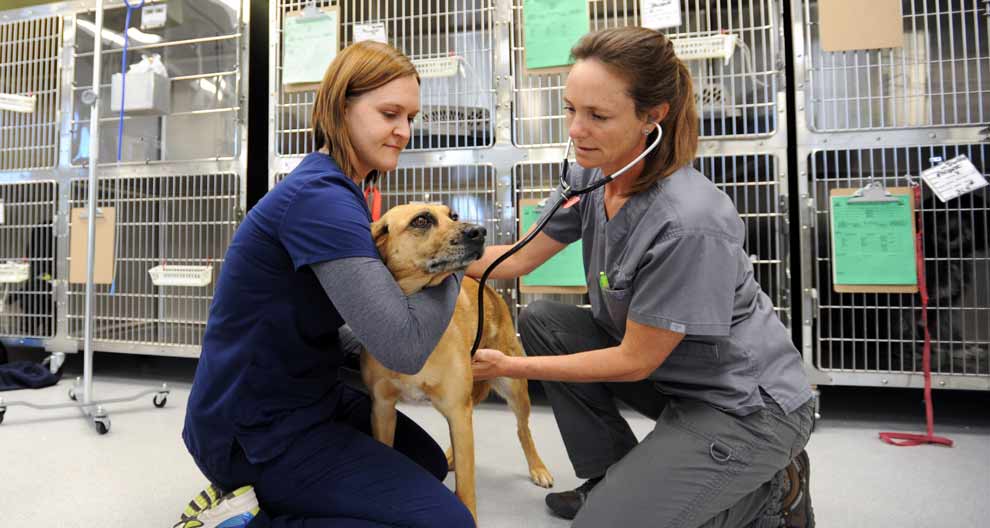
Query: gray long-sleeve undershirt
[398,331]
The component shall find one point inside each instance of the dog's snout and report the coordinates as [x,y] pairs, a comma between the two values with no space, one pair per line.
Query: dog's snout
[475,233]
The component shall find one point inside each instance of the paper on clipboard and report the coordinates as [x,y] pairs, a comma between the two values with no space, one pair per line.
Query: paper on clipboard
[550,29]
[849,25]
[310,43]
[103,261]
[873,246]
[563,272]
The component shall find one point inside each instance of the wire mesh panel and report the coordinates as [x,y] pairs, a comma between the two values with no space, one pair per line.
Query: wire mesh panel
[200,50]
[940,77]
[160,221]
[27,258]
[751,182]
[456,106]
[880,332]
[469,191]
[29,52]
[735,97]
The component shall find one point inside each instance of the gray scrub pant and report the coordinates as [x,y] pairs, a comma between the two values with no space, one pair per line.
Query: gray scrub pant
[699,467]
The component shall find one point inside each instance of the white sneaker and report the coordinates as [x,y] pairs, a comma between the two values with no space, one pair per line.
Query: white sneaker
[209,510]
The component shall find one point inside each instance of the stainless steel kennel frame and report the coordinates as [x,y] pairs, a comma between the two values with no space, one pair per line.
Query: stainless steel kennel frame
[518,144]
[887,115]
[179,190]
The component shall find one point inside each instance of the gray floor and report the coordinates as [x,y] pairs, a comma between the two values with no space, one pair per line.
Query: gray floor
[55,471]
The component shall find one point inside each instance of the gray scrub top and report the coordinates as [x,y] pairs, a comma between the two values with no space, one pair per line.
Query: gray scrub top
[674,259]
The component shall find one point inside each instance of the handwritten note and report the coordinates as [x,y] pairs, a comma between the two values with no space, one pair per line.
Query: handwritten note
[873,242]
[659,14]
[953,178]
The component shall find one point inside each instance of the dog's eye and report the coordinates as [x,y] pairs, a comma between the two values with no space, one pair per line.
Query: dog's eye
[453,216]
[421,222]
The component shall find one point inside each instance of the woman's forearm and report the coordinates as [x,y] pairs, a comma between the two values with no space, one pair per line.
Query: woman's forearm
[604,364]
[505,270]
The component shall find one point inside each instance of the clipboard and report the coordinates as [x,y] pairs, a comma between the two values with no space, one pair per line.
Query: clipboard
[315,63]
[564,68]
[103,260]
[872,233]
[568,258]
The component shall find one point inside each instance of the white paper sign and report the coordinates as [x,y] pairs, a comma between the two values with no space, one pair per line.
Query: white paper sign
[953,178]
[154,16]
[370,31]
[659,14]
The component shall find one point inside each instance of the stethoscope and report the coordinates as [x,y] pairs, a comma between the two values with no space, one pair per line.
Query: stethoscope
[568,195]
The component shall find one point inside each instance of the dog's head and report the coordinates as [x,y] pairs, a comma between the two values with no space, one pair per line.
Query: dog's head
[421,244]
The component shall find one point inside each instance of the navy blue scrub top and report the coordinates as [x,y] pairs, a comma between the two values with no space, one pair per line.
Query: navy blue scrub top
[270,353]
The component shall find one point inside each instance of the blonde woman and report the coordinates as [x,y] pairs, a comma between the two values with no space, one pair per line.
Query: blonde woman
[268,420]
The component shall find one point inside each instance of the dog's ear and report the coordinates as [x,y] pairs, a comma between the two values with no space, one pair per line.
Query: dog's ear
[379,232]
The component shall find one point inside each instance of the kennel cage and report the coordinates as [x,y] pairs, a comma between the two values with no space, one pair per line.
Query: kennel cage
[736,94]
[877,338]
[176,222]
[30,84]
[27,259]
[451,45]
[202,48]
[883,115]
[939,77]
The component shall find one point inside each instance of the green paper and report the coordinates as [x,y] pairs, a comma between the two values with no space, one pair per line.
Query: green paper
[873,242]
[563,269]
[551,28]
[311,44]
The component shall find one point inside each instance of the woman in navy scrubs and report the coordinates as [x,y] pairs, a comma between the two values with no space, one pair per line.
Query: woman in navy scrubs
[269,422]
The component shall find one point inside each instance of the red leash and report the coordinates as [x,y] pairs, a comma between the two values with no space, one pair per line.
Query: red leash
[909,439]
[376,201]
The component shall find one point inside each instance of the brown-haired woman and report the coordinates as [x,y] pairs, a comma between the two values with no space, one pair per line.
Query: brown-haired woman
[678,328]
[268,420]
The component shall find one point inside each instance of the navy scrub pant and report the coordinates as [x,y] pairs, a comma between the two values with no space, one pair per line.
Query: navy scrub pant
[699,467]
[338,475]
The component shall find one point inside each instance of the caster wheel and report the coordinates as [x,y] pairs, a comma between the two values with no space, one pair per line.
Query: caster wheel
[160,400]
[72,394]
[102,426]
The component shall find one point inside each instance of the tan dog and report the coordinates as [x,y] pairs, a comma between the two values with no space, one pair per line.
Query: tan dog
[421,245]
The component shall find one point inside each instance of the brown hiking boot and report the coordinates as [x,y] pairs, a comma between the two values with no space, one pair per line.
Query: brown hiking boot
[796,505]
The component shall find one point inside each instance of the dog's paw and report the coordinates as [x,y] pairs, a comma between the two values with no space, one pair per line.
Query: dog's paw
[541,477]
[450,459]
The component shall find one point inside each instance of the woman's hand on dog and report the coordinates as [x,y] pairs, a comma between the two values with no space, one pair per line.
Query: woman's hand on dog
[488,363]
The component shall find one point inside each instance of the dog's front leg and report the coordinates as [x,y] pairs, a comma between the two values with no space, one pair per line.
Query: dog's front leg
[383,414]
[458,416]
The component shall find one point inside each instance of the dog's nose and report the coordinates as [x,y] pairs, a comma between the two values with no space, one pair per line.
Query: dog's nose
[475,233]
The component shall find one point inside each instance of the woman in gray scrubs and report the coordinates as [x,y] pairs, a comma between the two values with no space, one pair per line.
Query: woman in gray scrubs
[678,328]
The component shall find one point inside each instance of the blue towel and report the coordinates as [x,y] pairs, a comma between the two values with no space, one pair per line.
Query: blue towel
[26,375]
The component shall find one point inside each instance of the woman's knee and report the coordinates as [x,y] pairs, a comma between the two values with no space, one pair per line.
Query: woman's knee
[448,512]
[532,325]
